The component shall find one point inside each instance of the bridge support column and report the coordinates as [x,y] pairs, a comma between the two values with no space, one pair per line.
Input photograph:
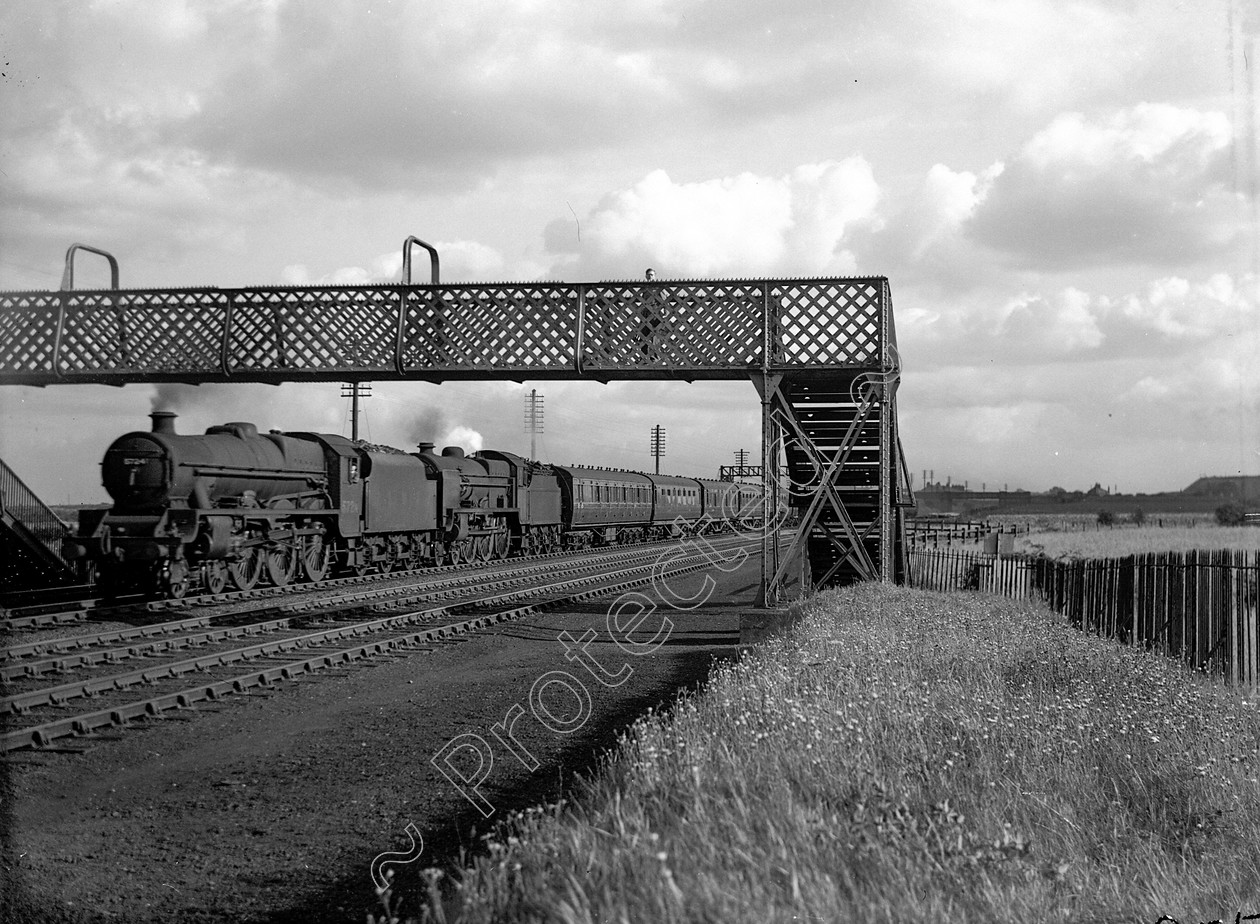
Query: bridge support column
[771,584]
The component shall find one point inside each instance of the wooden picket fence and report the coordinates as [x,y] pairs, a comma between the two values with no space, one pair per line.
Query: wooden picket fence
[1201,607]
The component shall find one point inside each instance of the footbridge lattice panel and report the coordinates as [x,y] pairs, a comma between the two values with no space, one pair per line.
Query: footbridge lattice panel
[694,329]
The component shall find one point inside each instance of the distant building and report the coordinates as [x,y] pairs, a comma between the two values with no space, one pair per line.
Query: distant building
[939,488]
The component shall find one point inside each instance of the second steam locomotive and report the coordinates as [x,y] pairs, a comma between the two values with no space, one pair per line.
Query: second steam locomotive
[236,508]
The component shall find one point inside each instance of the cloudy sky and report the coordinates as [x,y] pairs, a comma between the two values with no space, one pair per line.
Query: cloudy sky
[1062,194]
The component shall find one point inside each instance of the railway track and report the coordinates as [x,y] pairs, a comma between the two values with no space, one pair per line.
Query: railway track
[65,613]
[321,627]
[17,658]
[55,656]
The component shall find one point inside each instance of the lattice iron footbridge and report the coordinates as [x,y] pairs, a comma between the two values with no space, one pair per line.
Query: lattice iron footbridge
[821,353]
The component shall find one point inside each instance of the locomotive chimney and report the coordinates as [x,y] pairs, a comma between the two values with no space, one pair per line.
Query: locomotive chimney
[163,421]
[426,446]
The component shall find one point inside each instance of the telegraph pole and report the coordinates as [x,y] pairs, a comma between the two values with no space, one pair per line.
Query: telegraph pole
[741,459]
[354,391]
[658,445]
[533,420]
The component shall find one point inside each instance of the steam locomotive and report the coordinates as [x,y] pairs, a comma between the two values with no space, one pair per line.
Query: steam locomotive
[234,507]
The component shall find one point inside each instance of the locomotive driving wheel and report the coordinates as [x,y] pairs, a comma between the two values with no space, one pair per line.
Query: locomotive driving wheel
[214,576]
[247,569]
[500,543]
[480,549]
[459,551]
[314,557]
[281,564]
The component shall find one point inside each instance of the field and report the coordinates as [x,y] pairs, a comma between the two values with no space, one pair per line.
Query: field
[1073,540]
[1088,522]
[903,755]
[1068,536]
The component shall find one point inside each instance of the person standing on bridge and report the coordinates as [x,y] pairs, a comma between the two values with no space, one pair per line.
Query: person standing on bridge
[651,319]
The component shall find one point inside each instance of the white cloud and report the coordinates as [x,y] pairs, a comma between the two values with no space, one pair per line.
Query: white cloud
[693,228]
[1149,185]
[1178,141]
[734,226]
[950,198]
[923,241]
[1175,307]
[1167,323]
[1033,50]
[458,261]
[1064,323]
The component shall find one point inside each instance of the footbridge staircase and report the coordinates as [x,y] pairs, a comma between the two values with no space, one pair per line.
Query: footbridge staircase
[30,540]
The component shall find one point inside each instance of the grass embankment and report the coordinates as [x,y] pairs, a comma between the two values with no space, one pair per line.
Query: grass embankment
[902,755]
